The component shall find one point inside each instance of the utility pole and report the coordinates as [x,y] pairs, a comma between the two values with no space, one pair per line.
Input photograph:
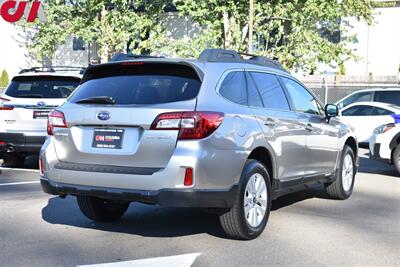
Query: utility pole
[251,19]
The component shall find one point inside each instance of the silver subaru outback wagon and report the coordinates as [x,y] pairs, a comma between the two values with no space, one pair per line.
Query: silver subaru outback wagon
[221,132]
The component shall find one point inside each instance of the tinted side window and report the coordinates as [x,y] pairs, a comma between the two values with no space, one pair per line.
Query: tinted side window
[234,88]
[270,90]
[253,94]
[358,97]
[302,100]
[358,111]
[381,112]
[392,97]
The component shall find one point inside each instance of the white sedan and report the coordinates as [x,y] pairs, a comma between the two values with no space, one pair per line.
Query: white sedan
[364,117]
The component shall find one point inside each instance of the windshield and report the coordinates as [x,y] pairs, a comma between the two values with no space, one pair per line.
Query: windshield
[126,85]
[42,87]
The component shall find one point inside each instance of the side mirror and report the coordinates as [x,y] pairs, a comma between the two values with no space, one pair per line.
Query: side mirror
[331,111]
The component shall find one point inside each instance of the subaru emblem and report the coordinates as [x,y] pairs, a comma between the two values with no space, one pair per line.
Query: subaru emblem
[103,116]
[41,104]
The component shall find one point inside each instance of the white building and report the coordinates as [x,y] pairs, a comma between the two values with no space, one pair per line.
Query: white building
[378,45]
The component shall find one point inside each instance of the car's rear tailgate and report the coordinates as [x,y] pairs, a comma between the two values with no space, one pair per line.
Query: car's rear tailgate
[139,146]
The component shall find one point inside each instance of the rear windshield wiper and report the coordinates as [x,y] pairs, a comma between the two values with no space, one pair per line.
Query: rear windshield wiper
[97,100]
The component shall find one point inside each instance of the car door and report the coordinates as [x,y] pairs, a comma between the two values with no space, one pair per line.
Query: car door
[321,135]
[284,130]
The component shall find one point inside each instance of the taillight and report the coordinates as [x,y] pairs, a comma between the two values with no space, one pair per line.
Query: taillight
[5,107]
[191,125]
[56,119]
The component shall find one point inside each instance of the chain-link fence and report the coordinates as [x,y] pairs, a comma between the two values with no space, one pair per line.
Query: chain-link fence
[332,89]
[332,94]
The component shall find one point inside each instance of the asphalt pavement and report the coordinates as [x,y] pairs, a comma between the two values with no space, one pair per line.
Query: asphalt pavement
[304,229]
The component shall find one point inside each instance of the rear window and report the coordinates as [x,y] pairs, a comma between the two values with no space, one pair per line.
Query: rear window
[139,83]
[42,87]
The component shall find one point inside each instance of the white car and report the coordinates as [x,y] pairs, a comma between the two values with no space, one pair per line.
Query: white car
[364,117]
[24,107]
[387,95]
[384,144]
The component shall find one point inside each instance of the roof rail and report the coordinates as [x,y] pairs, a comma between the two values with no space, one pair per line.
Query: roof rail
[222,55]
[53,69]
[123,57]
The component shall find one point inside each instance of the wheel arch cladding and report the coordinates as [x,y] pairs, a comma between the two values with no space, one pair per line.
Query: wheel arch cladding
[352,143]
[264,156]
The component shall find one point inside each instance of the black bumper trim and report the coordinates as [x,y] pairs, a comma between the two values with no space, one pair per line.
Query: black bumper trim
[376,155]
[163,197]
[105,168]
[21,142]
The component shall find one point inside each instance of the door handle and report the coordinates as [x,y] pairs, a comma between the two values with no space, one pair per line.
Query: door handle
[269,122]
[309,127]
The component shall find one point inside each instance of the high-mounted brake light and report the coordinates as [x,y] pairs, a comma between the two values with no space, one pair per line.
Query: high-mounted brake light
[132,63]
[191,125]
[56,119]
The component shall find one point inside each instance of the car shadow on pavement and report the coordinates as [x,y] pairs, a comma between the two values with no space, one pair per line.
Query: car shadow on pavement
[156,221]
[368,165]
[140,219]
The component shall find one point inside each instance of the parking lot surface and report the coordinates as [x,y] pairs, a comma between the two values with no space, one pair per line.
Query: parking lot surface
[304,229]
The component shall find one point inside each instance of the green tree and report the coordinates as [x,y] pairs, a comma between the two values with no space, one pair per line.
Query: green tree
[4,79]
[288,30]
[109,23]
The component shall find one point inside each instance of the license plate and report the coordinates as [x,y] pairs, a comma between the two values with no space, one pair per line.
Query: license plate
[41,114]
[108,138]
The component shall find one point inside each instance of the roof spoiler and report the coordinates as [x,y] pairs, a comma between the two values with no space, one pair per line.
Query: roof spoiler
[81,70]
[222,55]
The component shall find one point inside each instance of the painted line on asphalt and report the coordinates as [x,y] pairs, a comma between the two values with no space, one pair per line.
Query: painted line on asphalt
[18,169]
[185,260]
[20,183]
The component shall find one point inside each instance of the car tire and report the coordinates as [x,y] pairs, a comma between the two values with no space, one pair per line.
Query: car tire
[101,210]
[13,161]
[396,158]
[342,187]
[249,215]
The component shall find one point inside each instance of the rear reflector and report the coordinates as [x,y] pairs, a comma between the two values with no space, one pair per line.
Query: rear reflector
[41,167]
[188,181]
[191,125]
[2,143]
[55,119]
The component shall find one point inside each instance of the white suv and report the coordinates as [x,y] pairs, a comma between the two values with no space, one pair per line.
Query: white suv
[384,144]
[24,107]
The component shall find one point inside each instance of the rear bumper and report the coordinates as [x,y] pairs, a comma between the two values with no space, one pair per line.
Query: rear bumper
[21,143]
[164,197]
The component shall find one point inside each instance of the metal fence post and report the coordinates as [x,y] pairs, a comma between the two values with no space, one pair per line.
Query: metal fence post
[325,85]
